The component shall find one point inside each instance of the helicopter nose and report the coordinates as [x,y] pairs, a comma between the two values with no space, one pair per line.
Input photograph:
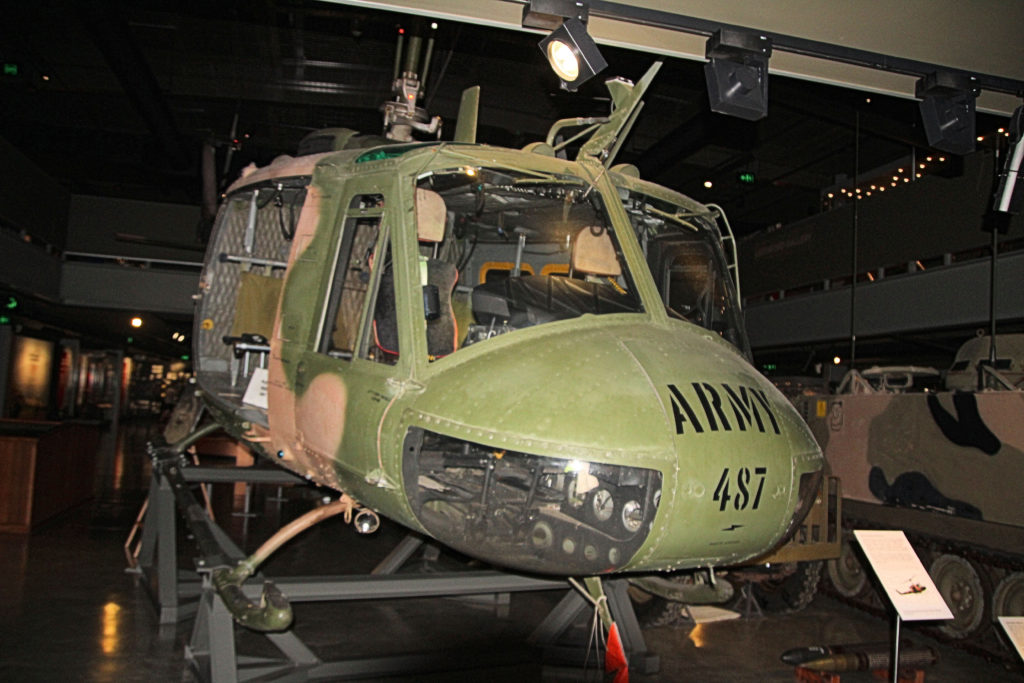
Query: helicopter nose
[754,467]
[628,448]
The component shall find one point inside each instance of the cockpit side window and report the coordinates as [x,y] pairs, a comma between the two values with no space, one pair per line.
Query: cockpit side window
[363,260]
[688,284]
[686,261]
[518,249]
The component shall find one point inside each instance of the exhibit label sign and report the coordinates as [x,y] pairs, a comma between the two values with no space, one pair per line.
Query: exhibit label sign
[1014,627]
[909,587]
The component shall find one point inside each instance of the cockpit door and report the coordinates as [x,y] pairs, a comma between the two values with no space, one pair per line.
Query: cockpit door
[333,356]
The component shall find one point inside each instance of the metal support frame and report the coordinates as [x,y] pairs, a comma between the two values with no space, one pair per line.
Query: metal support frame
[212,652]
[175,591]
[750,607]
[572,607]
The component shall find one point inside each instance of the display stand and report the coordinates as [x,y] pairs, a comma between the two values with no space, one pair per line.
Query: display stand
[175,592]
[212,647]
[551,634]
[910,589]
[811,676]
[749,605]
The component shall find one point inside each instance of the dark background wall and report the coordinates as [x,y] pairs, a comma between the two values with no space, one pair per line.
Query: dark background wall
[30,200]
[129,227]
[916,221]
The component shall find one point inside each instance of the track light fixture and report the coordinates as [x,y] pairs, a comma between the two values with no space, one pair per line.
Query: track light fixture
[947,110]
[737,73]
[569,49]
[1009,192]
[549,14]
[573,54]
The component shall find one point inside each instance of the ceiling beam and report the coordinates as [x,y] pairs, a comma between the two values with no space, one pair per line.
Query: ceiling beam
[861,44]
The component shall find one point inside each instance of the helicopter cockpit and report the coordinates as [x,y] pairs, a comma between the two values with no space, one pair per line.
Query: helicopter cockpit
[531,248]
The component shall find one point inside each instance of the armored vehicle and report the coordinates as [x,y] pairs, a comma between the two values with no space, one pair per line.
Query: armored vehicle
[942,461]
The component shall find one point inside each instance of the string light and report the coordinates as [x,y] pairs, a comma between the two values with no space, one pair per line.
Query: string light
[883,183]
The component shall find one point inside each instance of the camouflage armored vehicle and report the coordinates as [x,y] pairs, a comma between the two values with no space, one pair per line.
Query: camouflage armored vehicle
[942,461]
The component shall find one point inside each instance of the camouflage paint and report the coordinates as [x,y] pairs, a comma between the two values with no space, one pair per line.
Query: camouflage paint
[970,456]
[602,389]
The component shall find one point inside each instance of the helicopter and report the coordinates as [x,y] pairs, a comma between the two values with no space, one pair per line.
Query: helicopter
[538,361]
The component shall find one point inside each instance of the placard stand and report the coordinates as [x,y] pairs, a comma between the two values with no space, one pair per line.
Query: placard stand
[911,590]
[895,659]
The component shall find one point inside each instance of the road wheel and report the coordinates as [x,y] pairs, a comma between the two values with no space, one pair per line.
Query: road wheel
[963,588]
[1008,599]
[846,573]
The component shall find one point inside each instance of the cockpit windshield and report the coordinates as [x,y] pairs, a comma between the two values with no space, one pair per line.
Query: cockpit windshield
[684,255]
[514,249]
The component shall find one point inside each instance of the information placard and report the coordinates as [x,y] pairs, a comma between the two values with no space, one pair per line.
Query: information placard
[1014,627]
[256,392]
[910,589]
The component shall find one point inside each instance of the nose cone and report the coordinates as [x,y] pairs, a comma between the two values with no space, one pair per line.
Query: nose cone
[575,395]
[614,447]
[741,449]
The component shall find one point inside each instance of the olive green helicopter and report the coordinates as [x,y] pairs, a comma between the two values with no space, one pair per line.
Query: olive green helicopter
[538,361]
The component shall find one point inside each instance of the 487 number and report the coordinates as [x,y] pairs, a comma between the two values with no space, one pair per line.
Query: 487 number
[742,485]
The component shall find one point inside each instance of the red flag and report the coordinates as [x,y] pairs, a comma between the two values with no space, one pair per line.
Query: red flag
[615,656]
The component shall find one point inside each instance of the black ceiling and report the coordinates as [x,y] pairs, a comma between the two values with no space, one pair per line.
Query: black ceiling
[118,98]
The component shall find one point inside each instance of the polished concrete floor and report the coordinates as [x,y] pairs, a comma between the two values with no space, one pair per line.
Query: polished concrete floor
[69,611]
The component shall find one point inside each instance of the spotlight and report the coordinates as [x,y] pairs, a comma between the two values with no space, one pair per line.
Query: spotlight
[136,322]
[737,73]
[573,54]
[947,110]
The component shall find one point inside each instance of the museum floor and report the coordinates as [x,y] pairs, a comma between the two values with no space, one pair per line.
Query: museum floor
[69,611]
